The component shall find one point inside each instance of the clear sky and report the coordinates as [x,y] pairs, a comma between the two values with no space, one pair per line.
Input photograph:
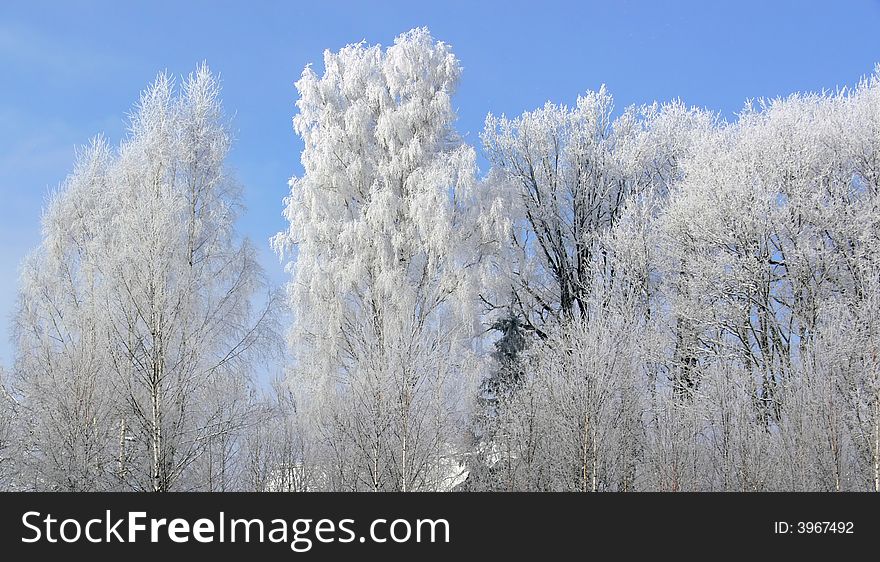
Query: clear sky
[69,70]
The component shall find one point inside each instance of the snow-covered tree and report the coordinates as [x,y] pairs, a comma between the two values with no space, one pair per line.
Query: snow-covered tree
[9,453]
[563,179]
[380,224]
[138,307]
[63,369]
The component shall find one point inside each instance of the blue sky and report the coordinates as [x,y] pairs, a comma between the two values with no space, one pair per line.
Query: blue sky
[71,70]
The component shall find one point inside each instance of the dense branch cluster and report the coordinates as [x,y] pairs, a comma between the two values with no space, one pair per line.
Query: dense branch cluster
[651,298]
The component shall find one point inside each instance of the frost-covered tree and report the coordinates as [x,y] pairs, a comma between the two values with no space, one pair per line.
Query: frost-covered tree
[574,421]
[9,453]
[563,179]
[276,452]
[740,252]
[182,316]
[63,369]
[380,224]
[137,311]
[575,199]
[767,225]
[767,238]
